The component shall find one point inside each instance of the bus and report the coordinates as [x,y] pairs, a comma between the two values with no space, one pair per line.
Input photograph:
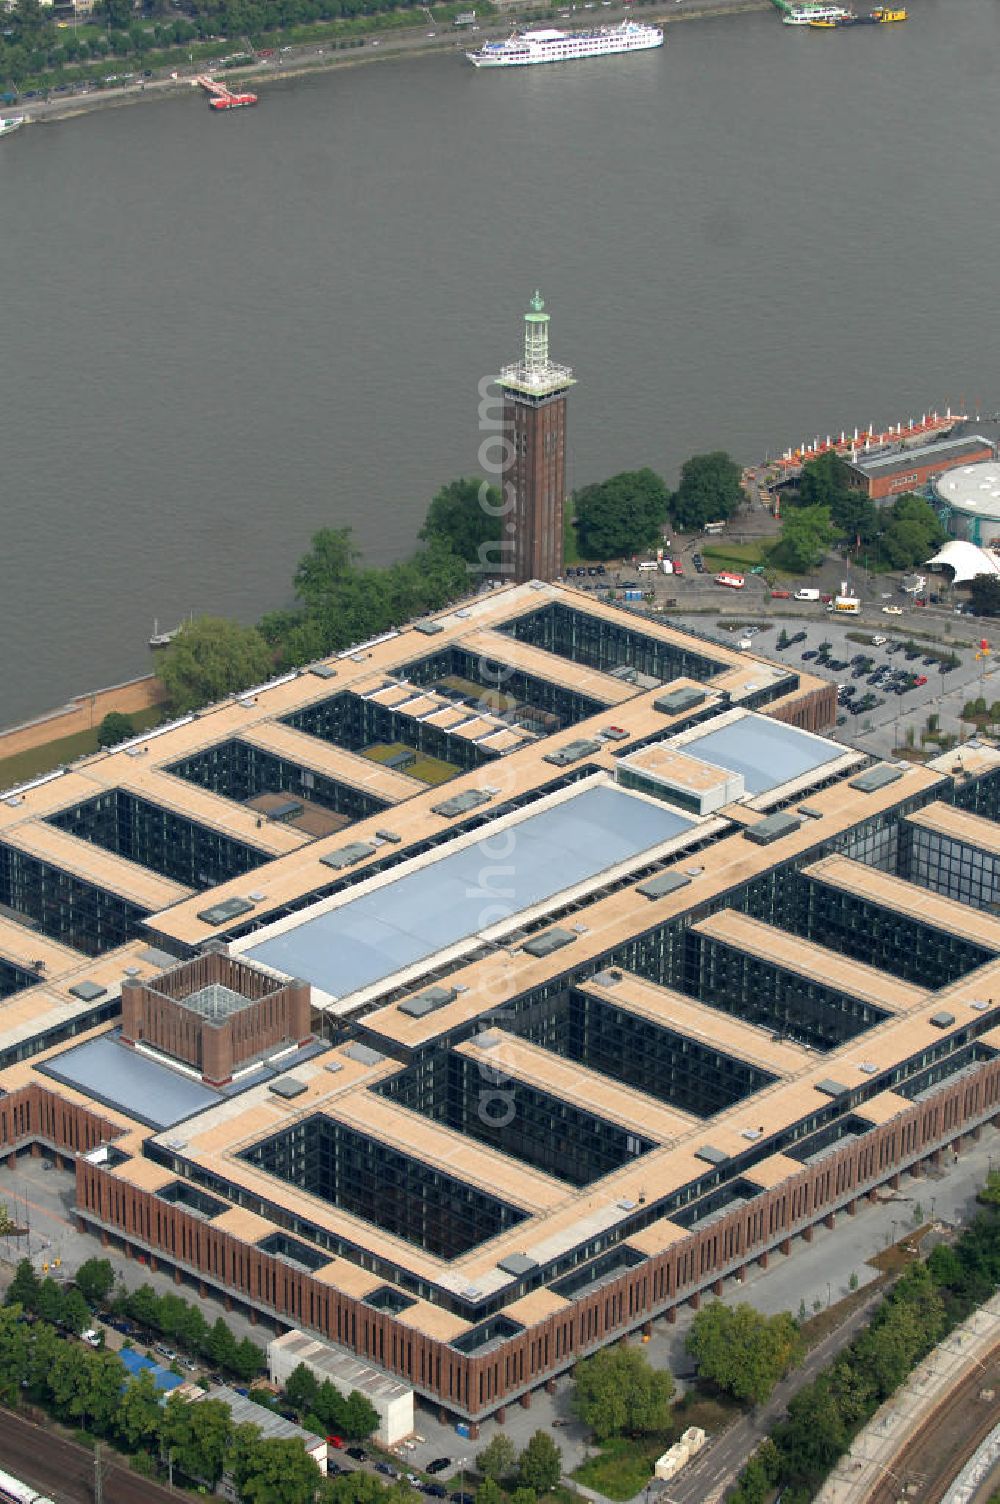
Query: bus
[713,527]
[734,581]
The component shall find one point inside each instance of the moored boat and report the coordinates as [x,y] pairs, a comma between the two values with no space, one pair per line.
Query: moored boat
[11,123]
[551,46]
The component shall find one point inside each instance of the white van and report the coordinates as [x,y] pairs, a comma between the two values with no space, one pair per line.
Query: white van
[878,641]
[648,564]
[807,595]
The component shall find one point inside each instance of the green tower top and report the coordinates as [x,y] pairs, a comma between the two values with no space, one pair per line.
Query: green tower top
[536,375]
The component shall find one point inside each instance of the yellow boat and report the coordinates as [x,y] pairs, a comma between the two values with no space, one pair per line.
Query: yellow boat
[884,15]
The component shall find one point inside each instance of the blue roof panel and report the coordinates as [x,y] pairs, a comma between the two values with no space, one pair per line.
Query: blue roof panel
[118,1076]
[415,915]
[767,753]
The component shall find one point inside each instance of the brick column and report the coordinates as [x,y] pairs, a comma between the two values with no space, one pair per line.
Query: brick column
[807,1234]
[695,1301]
[763,1260]
[177,1276]
[830,1221]
[717,1287]
[525,1401]
[501,1415]
[852,1208]
[671,1315]
[786,1245]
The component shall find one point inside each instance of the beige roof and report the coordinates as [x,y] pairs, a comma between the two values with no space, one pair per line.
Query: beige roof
[959,824]
[909,899]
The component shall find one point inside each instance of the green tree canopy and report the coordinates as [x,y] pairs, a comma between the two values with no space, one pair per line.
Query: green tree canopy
[910,532]
[14,1354]
[489,1492]
[824,480]
[137,1422]
[210,658]
[710,491]
[621,515]
[115,728]
[200,1437]
[617,1392]
[984,595]
[539,1466]
[23,1288]
[498,1458]
[281,1472]
[465,516]
[806,535]
[95,1279]
[741,1351]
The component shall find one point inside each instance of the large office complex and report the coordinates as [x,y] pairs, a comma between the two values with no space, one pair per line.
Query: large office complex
[472,999]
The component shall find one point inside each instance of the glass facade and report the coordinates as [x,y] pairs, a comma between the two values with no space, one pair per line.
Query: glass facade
[950,867]
[607,645]
[402,1195]
[498,689]
[240,771]
[349,721]
[160,839]
[64,907]
[515,1118]
[13,977]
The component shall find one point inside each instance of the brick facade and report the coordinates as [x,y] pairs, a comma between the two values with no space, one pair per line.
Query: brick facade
[477,1386]
[161,1016]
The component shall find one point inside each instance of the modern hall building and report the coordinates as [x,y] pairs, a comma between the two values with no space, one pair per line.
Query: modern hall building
[619,975]
[534,422]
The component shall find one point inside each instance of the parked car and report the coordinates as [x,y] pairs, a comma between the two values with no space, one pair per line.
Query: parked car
[781,595]
[358,1453]
[892,610]
[386,1469]
[436,1490]
[439,1465]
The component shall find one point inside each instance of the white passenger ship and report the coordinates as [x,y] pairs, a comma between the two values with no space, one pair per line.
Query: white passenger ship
[805,15]
[563,46]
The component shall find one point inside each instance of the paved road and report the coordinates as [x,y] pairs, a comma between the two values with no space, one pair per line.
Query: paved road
[707,1477]
[65,1470]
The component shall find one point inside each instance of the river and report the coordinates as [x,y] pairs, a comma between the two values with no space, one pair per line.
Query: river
[220,334]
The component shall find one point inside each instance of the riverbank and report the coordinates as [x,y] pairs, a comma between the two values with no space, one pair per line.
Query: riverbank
[313,58]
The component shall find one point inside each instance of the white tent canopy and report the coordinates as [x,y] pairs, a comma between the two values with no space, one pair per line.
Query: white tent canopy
[966,560]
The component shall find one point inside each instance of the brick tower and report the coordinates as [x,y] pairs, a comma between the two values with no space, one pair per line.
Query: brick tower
[534,415]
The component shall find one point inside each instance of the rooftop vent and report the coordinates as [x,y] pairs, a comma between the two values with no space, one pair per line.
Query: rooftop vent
[221,913]
[390,836]
[677,701]
[460,804]
[662,884]
[347,856]
[572,752]
[517,1264]
[429,628]
[323,671]
[287,1087]
[711,1155]
[551,940]
[873,779]
[772,828]
[363,1054]
[614,733]
[831,1088]
[426,1002]
[810,812]
[868,1067]
[88,992]
[942,1020]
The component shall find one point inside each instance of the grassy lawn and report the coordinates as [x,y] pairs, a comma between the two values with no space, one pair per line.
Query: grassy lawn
[624,1465]
[432,770]
[38,760]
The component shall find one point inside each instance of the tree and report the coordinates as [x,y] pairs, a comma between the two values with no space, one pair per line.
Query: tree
[75,1313]
[14,1354]
[741,1351]
[489,1492]
[984,595]
[806,535]
[498,1458]
[95,1279]
[617,1392]
[221,1345]
[143,1305]
[621,515]
[301,1389]
[210,658]
[824,480]
[23,1288]
[282,1472]
[138,1419]
[539,1466]
[711,490]
[200,1436]
[360,1418]
[330,559]
[910,531]
[114,728]
[248,1360]
[466,516]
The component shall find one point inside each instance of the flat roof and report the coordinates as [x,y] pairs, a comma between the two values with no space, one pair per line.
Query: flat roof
[946,820]
[909,899]
[411,917]
[973,489]
[767,753]
[946,450]
[117,1075]
[662,761]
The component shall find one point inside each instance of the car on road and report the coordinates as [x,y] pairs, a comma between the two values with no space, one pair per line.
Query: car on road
[439,1465]
[358,1453]
[920,680]
[435,1490]
[386,1469]
[809,653]
[781,595]
[892,610]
